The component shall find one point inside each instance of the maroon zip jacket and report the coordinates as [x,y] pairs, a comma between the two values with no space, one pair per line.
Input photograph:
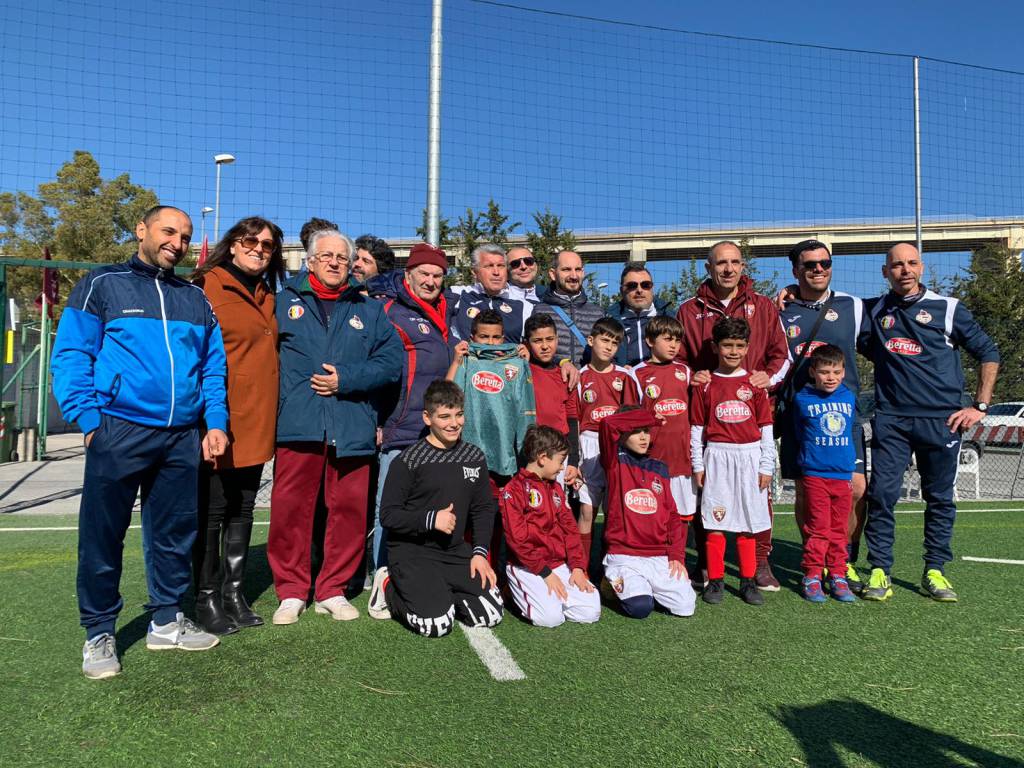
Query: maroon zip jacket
[540,529]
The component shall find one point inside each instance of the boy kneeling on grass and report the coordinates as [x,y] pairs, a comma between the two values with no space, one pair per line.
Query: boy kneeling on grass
[433,489]
[733,459]
[824,412]
[546,568]
[643,530]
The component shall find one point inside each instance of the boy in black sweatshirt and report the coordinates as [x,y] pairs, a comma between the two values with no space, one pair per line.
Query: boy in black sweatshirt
[433,489]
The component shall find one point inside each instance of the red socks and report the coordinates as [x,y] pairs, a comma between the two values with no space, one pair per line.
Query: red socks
[588,540]
[746,550]
[715,547]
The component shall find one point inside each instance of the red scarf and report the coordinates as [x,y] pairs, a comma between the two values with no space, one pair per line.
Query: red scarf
[436,314]
[323,292]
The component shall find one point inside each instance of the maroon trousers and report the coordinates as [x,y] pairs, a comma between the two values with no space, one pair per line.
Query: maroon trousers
[826,518]
[301,472]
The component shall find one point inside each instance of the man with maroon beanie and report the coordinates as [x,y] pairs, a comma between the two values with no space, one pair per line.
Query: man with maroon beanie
[727,292]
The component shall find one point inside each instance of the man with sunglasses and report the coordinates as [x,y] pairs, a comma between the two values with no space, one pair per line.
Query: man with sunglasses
[634,310]
[522,274]
[814,315]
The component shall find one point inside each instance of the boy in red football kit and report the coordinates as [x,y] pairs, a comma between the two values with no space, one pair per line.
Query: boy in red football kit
[643,531]
[665,392]
[546,561]
[553,398]
[733,460]
[604,388]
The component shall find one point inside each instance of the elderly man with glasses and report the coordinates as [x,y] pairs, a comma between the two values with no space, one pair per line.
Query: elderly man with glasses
[338,353]
[490,291]
[634,310]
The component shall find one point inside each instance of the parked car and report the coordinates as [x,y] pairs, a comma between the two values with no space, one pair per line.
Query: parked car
[973,445]
[1003,426]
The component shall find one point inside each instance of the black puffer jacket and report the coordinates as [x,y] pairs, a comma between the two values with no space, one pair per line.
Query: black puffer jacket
[582,312]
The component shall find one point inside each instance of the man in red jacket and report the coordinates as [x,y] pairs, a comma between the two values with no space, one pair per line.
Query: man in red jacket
[729,293]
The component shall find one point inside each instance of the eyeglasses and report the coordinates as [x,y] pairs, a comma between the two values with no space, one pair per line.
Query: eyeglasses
[331,258]
[526,261]
[809,266]
[643,285]
[251,243]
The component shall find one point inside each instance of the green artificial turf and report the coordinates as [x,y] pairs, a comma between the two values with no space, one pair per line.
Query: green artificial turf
[906,683]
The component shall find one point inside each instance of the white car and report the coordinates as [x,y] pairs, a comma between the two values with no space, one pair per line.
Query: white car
[1003,425]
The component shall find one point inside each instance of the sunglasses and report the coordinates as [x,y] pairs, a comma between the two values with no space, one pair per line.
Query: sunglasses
[251,243]
[644,285]
[809,266]
[526,261]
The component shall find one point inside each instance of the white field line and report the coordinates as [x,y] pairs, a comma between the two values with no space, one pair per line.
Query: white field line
[75,528]
[992,560]
[493,654]
[966,510]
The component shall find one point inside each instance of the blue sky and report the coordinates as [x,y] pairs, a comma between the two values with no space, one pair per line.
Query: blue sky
[615,127]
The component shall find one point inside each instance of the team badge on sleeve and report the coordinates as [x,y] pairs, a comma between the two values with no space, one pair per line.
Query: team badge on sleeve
[681,375]
[831,315]
[472,312]
[656,486]
[294,313]
[924,317]
[744,393]
[511,372]
[617,385]
[505,308]
[424,328]
[356,322]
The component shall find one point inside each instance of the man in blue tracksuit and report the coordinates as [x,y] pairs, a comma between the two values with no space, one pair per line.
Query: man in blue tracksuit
[634,310]
[914,337]
[139,364]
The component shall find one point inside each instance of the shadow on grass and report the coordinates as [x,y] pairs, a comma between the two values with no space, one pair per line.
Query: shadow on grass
[885,740]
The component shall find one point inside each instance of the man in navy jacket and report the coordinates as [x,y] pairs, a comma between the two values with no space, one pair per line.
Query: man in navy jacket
[634,310]
[914,337]
[139,365]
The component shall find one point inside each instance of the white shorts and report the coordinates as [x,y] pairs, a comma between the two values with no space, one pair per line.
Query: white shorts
[544,609]
[731,500]
[634,576]
[594,483]
[684,494]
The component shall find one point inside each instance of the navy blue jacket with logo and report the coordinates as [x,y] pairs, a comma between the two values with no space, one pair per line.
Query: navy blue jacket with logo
[473,300]
[915,345]
[140,344]
[427,357]
[360,342]
[633,348]
[842,326]
[581,311]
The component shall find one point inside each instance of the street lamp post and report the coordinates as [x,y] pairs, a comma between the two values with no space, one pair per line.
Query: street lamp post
[206,209]
[219,160]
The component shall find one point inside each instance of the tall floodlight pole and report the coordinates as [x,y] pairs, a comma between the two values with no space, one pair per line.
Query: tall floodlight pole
[434,132]
[917,155]
[219,160]
[206,209]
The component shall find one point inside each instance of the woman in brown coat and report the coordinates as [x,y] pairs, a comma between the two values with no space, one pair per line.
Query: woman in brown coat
[235,279]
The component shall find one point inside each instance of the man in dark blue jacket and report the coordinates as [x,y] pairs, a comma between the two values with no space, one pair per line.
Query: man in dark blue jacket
[416,305]
[567,303]
[139,365]
[634,310]
[914,337]
[491,291]
[338,353]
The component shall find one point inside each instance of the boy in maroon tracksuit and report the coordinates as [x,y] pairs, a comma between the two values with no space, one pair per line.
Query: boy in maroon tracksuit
[546,562]
[643,530]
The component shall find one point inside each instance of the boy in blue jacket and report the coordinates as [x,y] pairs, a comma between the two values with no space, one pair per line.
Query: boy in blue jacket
[824,411]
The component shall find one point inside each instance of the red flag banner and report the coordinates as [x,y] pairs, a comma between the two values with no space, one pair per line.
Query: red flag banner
[204,252]
[51,287]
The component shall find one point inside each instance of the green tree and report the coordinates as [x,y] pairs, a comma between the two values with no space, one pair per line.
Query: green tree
[495,226]
[548,239]
[79,216]
[992,288]
[444,229]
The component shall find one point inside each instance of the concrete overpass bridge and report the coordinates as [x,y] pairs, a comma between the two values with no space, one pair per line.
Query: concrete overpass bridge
[843,239]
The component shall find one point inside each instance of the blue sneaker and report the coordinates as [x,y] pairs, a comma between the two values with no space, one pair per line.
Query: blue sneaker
[841,590]
[812,591]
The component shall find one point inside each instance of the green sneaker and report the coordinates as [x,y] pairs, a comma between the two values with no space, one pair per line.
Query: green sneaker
[935,585]
[853,579]
[878,588]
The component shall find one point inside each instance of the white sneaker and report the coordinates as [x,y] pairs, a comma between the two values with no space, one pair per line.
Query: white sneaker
[377,606]
[288,611]
[181,634]
[339,608]
[99,657]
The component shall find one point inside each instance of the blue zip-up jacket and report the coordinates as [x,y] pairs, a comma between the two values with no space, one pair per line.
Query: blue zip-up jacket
[140,344]
[841,327]
[427,357]
[633,348]
[363,347]
[824,428]
[915,343]
[473,301]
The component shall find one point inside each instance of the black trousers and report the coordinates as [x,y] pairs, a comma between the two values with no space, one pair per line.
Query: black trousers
[427,592]
[227,494]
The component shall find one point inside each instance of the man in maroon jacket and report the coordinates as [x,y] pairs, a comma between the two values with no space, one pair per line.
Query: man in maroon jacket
[729,293]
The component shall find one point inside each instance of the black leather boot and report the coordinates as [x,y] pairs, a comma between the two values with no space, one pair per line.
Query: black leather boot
[209,607]
[236,552]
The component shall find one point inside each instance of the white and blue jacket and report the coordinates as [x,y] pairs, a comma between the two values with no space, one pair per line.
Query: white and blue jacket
[841,327]
[138,343]
[915,344]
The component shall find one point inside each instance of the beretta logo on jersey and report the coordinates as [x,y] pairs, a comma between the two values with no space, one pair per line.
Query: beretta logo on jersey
[670,407]
[732,411]
[744,393]
[814,345]
[642,501]
[602,413]
[902,346]
[487,382]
